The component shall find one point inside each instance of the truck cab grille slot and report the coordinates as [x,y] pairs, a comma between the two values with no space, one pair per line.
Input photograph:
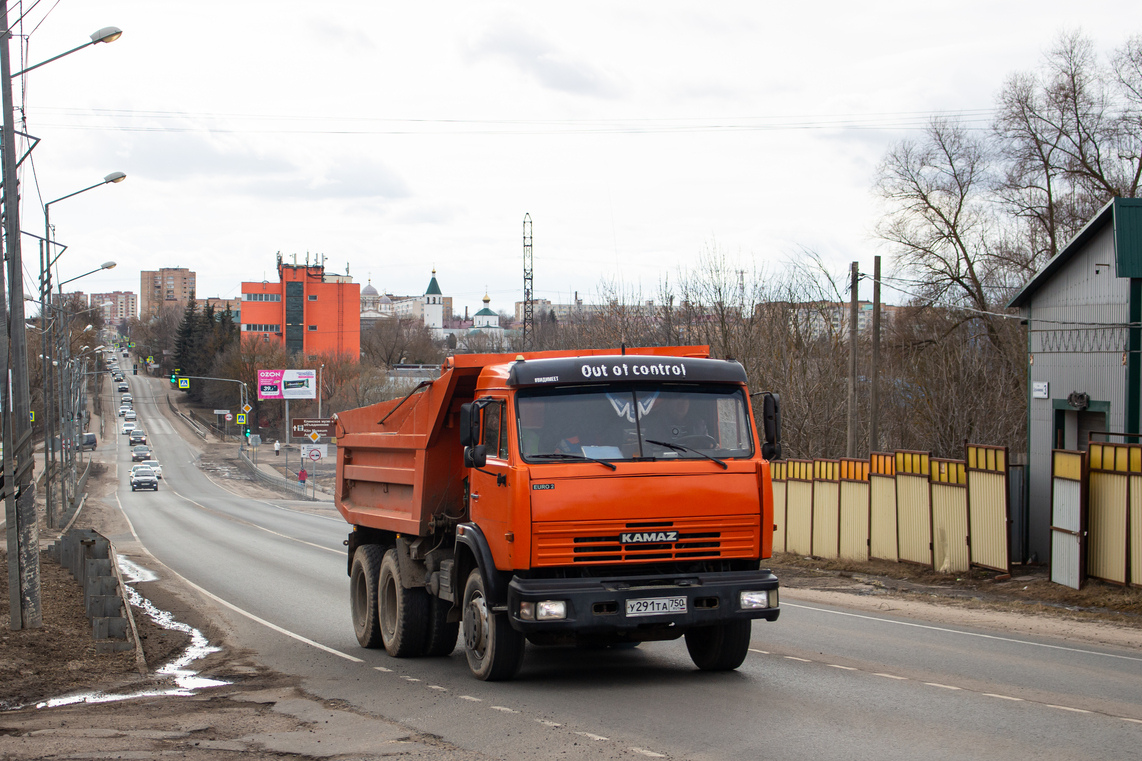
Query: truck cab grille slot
[570,543]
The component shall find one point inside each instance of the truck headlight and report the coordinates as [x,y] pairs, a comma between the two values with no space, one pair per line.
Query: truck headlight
[527,611]
[551,610]
[758,599]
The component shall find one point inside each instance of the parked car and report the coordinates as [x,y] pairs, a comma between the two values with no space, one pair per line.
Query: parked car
[140,453]
[155,466]
[129,415]
[128,427]
[123,387]
[137,436]
[87,441]
[144,478]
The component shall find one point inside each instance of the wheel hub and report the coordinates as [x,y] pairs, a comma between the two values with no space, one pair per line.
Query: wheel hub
[476,625]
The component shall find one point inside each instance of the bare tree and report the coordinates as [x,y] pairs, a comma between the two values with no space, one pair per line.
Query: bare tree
[398,341]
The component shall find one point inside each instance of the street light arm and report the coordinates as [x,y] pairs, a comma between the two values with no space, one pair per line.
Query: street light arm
[105,266]
[106,34]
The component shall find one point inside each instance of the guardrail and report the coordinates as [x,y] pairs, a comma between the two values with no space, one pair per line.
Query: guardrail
[275,481]
[194,424]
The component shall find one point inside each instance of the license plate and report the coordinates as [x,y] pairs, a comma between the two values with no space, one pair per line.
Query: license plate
[656,606]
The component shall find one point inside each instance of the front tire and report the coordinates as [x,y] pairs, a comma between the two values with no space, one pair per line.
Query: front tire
[403,612]
[363,598]
[719,648]
[494,649]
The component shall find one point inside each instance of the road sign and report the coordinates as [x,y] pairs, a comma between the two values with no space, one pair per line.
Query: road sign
[184,382]
[150,360]
[303,426]
[229,417]
[314,437]
[255,440]
[246,408]
[221,412]
[308,450]
[241,418]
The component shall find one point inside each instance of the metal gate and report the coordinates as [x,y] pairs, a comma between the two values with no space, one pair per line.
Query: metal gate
[1068,518]
[950,541]
[882,507]
[989,512]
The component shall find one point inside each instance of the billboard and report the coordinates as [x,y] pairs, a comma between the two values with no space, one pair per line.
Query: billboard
[287,384]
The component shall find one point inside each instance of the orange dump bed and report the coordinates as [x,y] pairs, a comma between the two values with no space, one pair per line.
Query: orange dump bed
[400,463]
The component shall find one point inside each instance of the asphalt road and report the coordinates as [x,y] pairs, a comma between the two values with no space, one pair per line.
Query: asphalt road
[821,682]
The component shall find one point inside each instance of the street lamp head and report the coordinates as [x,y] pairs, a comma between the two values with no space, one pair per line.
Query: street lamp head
[107,266]
[115,177]
[107,34]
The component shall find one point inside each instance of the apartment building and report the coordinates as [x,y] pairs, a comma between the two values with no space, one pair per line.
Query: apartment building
[116,306]
[167,287]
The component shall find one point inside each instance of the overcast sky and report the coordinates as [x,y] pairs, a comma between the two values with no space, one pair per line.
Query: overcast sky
[397,137]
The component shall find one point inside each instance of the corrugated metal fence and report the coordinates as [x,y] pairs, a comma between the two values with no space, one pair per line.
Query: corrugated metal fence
[946,514]
[1096,514]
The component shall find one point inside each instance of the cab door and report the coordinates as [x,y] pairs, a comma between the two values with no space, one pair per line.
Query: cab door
[490,495]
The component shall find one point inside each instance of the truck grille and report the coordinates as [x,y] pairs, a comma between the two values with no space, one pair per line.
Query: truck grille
[561,544]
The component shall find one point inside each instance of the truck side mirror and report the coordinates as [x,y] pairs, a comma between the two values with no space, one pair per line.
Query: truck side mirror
[771,425]
[466,437]
[475,457]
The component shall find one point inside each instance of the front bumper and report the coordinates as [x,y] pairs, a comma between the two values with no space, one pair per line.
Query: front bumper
[599,605]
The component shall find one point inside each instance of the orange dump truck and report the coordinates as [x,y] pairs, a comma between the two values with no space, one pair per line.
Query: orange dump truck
[597,497]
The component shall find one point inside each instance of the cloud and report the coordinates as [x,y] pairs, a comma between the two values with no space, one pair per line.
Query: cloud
[538,58]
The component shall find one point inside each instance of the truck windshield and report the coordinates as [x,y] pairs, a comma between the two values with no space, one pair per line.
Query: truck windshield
[661,421]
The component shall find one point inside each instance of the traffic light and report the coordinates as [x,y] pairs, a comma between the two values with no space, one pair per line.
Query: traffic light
[174,378]
[247,433]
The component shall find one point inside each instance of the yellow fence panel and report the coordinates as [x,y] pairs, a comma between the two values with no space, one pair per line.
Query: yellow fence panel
[989,515]
[826,508]
[854,520]
[1111,469]
[777,472]
[799,508]
[882,507]
[1135,521]
[950,552]
[913,507]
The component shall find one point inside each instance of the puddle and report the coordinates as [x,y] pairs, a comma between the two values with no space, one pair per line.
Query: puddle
[177,677]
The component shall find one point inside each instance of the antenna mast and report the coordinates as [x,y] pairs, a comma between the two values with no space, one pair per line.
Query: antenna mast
[528,297]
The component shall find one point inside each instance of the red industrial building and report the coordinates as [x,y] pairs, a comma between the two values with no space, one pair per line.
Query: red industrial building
[308,310]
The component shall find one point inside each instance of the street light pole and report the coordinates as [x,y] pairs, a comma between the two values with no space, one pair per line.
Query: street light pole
[19,495]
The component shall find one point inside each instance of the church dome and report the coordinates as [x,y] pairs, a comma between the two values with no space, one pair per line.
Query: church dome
[369,290]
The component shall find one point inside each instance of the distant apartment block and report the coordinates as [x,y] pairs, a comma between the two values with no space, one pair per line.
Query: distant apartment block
[168,287]
[822,318]
[116,306]
[220,305]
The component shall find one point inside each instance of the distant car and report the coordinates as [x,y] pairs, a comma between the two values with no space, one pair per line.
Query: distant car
[87,441]
[124,409]
[123,387]
[119,377]
[140,453]
[128,427]
[129,415]
[144,478]
[155,466]
[127,399]
[137,436]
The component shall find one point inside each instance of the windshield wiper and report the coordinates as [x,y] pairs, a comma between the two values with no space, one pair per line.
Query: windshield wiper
[568,456]
[682,448]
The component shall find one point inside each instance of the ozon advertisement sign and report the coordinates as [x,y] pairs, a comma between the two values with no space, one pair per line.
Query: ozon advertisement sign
[287,384]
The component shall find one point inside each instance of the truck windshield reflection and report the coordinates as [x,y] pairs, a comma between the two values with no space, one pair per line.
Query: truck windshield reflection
[659,421]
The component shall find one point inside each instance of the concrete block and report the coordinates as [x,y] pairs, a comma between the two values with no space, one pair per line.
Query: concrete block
[101,606]
[109,627]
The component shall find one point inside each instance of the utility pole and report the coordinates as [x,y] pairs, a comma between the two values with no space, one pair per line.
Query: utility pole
[874,370]
[528,294]
[850,447]
[19,492]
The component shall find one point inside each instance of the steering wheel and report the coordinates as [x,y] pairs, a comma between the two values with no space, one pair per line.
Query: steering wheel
[699,441]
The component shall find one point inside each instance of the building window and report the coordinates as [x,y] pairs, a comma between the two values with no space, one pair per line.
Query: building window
[313,297]
[257,328]
[261,297]
[313,327]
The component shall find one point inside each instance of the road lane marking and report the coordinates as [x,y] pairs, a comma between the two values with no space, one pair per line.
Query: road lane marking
[437,687]
[838,666]
[964,633]
[650,753]
[410,678]
[469,697]
[943,686]
[763,652]
[590,736]
[891,676]
[1067,708]
[795,658]
[505,709]
[382,668]
[552,724]
[1001,697]
[228,604]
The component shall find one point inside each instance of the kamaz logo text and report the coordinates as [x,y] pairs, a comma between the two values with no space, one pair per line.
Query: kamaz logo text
[648,537]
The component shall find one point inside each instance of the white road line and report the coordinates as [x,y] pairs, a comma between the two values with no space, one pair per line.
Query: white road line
[891,676]
[650,753]
[437,687]
[943,686]
[590,736]
[505,709]
[1001,697]
[763,652]
[552,724]
[231,605]
[382,668]
[795,658]
[474,700]
[838,666]
[958,631]
[1067,708]
[410,678]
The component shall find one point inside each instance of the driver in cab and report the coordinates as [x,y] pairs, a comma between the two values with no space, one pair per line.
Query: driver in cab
[673,419]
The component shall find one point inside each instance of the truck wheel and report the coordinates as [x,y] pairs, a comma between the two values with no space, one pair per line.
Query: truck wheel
[403,612]
[363,594]
[719,648]
[442,633]
[493,647]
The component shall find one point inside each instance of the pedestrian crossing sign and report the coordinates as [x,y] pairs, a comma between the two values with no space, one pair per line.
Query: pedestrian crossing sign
[241,418]
[184,382]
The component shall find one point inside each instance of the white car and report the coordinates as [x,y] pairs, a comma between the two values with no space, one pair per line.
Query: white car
[124,410]
[129,415]
[128,427]
[153,465]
